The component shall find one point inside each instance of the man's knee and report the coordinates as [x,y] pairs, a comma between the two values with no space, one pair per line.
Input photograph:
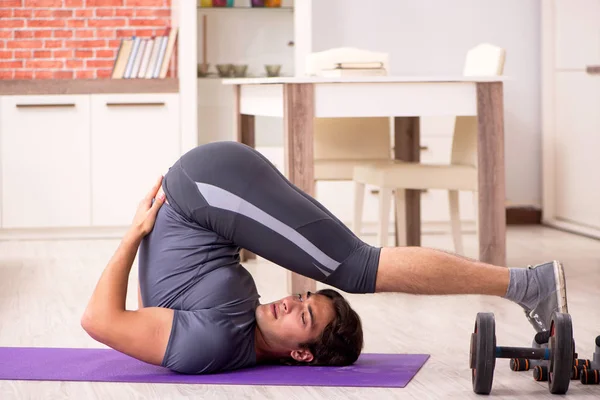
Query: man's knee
[358,273]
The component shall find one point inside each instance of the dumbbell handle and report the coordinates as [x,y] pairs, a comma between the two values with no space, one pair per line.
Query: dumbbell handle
[529,353]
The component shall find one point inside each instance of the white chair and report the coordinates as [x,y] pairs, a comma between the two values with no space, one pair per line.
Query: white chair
[459,174]
[340,144]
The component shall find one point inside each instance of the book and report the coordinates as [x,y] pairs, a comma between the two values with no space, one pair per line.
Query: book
[131,60]
[146,58]
[153,58]
[359,65]
[172,38]
[122,58]
[161,53]
[338,72]
[138,59]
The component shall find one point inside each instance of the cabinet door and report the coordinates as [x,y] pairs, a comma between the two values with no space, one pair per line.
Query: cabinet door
[577,140]
[45,160]
[135,139]
[577,33]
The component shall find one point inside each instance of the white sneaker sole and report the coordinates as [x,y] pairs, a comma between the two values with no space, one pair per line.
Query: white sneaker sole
[559,275]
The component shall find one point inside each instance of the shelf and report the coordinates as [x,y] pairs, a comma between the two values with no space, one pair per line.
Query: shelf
[88,86]
[245,8]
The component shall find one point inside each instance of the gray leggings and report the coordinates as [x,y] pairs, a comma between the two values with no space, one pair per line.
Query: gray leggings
[234,191]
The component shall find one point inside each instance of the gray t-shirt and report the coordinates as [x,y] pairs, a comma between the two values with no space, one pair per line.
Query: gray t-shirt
[197,273]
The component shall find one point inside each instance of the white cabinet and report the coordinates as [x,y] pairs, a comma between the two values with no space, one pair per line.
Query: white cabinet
[45,160]
[135,138]
[570,116]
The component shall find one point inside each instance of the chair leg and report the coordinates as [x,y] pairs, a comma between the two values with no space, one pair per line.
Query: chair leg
[400,200]
[385,200]
[359,199]
[453,200]
[476,217]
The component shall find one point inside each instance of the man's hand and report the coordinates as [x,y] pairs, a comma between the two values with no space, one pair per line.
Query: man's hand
[143,222]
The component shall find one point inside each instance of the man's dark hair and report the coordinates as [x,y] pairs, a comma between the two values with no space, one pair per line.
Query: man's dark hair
[342,339]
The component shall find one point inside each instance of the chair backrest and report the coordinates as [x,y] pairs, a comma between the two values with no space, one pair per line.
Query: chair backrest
[350,138]
[482,60]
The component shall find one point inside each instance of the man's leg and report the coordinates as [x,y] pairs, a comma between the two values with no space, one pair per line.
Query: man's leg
[540,290]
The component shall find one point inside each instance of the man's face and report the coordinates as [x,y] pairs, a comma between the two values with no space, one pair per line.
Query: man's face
[293,320]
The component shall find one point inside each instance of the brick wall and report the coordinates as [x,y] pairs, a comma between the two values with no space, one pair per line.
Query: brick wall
[72,39]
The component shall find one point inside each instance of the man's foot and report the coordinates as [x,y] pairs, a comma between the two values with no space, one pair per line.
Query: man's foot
[552,295]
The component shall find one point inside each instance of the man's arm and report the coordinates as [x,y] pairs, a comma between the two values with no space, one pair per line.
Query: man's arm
[144,333]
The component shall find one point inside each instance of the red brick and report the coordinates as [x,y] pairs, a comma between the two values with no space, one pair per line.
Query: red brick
[41,33]
[84,33]
[2,44]
[106,33]
[43,3]
[63,34]
[12,3]
[65,74]
[75,64]
[105,12]
[6,13]
[97,23]
[25,44]
[85,43]
[13,23]
[75,23]
[42,54]
[144,3]
[24,34]
[84,13]
[144,32]
[6,54]
[152,12]
[62,13]
[23,54]
[45,23]
[104,73]
[43,75]
[83,74]
[62,53]
[73,3]
[7,74]
[99,63]
[44,64]
[113,44]
[105,53]
[125,33]
[84,53]
[23,13]
[104,3]
[24,74]
[42,13]
[7,34]
[147,22]
[125,12]
[11,64]
[53,44]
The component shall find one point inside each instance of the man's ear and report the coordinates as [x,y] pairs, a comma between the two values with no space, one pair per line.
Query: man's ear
[303,355]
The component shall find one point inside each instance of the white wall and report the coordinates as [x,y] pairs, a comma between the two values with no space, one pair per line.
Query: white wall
[432,36]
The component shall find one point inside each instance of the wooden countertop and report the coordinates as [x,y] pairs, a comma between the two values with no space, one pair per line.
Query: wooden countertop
[87,86]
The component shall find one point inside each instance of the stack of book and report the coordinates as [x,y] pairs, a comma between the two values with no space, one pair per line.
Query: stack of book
[145,58]
[355,69]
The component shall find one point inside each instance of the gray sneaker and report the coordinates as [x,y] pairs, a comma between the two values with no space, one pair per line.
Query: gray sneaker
[552,297]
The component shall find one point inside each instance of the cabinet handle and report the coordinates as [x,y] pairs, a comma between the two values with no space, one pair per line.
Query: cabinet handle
[41,105]
[423,148]
[155,104]
[593,69]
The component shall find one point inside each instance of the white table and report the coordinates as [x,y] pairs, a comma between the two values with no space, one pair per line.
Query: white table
[406,98]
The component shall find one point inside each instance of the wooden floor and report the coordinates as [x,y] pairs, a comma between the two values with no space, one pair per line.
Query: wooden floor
[44,286]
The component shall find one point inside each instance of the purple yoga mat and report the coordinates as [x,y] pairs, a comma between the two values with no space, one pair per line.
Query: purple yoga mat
[107,365]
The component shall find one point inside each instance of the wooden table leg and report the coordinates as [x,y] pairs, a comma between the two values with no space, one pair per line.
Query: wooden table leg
[491,173]
[407,138]
[245,125]
[298,116]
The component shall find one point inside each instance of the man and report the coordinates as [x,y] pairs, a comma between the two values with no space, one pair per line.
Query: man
[201,311]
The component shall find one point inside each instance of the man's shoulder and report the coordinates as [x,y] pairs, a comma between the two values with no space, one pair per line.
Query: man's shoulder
[207,341]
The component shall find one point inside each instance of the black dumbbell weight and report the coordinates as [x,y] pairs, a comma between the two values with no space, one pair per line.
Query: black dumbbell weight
[522,364]
[591,374]
[483,353]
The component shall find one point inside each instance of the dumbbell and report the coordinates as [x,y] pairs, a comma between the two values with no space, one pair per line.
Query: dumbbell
[591,375]
[559,354]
